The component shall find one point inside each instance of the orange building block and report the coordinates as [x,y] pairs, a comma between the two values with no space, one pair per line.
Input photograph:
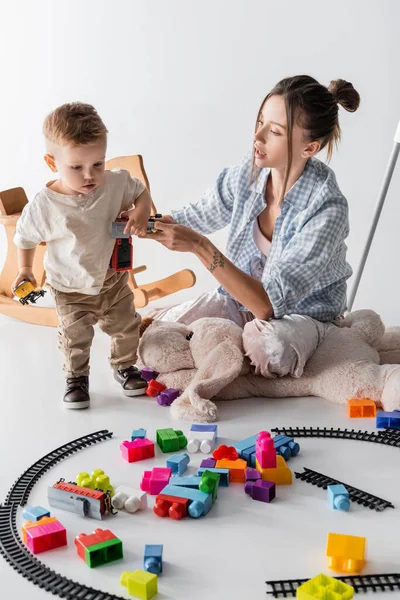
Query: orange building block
[363,407]
[30,524]
[281,475]
[346,553]
[237,469]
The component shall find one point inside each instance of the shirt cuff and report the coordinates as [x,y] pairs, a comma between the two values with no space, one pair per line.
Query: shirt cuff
[179,216]
[22,243]
[276,298]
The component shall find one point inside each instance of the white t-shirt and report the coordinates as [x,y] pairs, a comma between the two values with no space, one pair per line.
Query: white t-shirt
[77,231]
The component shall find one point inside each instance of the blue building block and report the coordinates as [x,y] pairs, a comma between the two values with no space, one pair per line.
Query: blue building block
[199,427]
[286,446]
[178,463]
[192,481]
[34,513]
[245,444]
[224,475]
[338,497]
[200,502]
[249,455]
[388,419]
[138,433]
[152,561]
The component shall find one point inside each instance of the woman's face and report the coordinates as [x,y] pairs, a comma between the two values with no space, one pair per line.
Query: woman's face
[270,139]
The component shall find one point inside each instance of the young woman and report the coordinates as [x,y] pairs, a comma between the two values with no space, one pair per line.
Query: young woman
[283,276]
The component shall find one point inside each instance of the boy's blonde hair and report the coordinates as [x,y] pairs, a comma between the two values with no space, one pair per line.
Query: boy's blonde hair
[74,124]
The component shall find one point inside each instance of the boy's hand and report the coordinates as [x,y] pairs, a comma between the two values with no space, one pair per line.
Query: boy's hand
[25,273]
[137,220]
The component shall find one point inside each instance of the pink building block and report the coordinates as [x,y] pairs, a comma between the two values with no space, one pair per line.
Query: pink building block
[46,537]
[154,481]
[139,449]
[265,450]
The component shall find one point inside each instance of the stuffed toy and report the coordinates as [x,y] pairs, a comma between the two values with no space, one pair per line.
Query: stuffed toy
[358,358]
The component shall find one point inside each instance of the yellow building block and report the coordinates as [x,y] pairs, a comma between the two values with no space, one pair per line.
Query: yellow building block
[323,587]
[346,553]
[280,475]
[30,524]
[140,584]
[237,469]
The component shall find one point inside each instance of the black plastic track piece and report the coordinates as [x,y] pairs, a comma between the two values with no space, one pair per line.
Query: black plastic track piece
[385,582]
[11,545]
[356,495]
[387,438]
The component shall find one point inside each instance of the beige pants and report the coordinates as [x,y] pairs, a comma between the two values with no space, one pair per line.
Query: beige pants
[275,348]
[113,309]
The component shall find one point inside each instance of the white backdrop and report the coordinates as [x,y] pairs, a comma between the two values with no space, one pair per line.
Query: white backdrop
[180,82]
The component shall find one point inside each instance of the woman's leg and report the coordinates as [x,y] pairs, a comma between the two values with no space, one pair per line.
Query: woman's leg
[281,347]
[210,304]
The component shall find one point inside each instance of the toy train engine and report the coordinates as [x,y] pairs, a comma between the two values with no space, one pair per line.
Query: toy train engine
[26,292]
[80,500]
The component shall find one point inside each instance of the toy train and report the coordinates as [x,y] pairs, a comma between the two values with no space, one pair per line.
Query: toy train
[85,502]
[26,292]
[122,256]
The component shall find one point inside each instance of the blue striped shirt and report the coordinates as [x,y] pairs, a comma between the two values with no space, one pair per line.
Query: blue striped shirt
[306,269]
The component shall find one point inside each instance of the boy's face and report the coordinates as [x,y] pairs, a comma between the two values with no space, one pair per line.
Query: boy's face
[81,168]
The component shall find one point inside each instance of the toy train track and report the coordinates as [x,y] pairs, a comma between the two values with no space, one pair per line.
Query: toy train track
[11,545]
[387,438]
[356,495]
[384,582]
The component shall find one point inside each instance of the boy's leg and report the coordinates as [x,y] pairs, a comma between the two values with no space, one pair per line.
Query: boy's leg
[76,315]
[280,347]
[120,320]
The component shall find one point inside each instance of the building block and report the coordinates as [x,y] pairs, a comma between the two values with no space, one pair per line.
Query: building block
[388,419]
[249,455]
[245,444]
[175,507]
[209,483]
[178,463]
[79,500]
[223,474]
[148,374]
[264,491]
[207,463]
[265,450]
[98,548]
[34,513]
[200,503]
[170,440]
[46,537]
[237,469]
[346,553]
[138,433]
[338,497]
[324,587]
[29,524]
[154,388]
[154,481]
[228,452]
[129,498]
[167,397]
[192,481]
[286,446]
[140,584]
[361,408]
[98,480]
[281,475]
[252,474]
[139,449]
[152,562]
[202,437]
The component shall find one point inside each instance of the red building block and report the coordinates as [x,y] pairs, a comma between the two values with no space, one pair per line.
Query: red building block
[84,540]
[175,507]
[139,449]
[154,388]
[228,452]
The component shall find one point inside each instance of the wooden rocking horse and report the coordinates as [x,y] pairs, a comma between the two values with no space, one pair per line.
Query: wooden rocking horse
[11,204]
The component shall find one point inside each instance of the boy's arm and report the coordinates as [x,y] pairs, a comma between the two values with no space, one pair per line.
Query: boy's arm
[139,215]
[25,272]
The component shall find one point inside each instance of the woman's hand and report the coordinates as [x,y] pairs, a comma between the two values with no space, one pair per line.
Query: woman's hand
[174,236]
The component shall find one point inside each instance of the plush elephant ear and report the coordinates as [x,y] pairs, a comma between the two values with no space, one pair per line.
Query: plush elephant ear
[165,347]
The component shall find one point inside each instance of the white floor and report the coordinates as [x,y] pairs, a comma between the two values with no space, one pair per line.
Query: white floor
[241,543]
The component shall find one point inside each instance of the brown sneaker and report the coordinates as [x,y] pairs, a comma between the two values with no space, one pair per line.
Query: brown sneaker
[77,393]
[131,381]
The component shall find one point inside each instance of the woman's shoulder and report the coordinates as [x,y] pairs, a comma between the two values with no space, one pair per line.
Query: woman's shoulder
[325,185]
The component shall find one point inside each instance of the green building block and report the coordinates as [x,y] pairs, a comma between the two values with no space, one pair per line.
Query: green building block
[170,440]
[140,584]
[209,483]
[104,553]
[325,588]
